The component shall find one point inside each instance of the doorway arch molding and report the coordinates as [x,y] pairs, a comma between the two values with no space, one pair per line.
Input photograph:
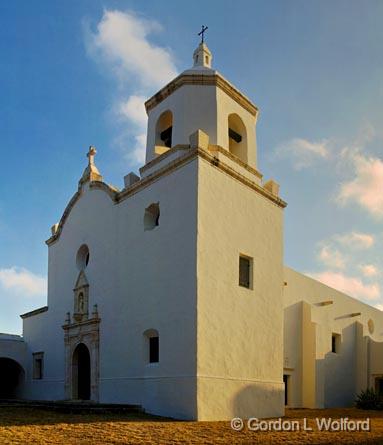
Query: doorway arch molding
[88,333]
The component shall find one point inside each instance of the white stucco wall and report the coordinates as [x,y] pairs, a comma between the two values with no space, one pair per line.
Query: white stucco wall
[240,337]
[43,333]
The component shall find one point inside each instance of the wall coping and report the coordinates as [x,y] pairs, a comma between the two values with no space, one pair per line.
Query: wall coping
[34,312]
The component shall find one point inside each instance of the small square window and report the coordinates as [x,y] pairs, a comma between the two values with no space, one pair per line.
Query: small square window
[335,343]
[245,271]
[38,365]
[154,350]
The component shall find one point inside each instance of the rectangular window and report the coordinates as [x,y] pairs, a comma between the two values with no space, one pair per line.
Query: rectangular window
[38,365]
[245,270]
[335,343]
[154,350]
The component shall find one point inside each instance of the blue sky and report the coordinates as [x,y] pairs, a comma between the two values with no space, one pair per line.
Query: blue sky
[74,73]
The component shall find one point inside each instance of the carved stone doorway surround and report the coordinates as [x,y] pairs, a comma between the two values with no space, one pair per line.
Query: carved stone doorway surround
[88,333]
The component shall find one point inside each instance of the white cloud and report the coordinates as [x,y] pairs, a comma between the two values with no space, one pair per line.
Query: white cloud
[121,44]
[138,153]
[303,153]
[367,185]
[379,306]
[332,257]
[122,41]
[133,109]
[369,270]
[352,286]
[23,282]
[355,240]
[137,143]
[348,250]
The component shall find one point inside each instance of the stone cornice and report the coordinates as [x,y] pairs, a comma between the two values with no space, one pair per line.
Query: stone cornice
[218,148]
[35,312]
[190,155]
[160,158]
[206,80]
[89,322]
[236,159]
[168,168]
[225,168]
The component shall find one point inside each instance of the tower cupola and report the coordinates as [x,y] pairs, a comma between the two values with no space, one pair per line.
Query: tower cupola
[202,56]
[200,98]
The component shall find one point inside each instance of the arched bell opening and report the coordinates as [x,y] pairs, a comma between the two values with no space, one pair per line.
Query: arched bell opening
[164,132]
[237,137]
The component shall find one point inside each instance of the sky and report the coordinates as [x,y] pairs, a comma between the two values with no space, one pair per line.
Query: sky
[76,73]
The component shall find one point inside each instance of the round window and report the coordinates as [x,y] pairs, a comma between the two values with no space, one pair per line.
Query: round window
[82,258]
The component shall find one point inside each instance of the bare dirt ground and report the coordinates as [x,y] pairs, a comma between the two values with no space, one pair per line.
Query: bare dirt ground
[20,425]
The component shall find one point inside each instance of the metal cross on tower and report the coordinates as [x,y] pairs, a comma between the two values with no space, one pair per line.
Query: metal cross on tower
[202,32]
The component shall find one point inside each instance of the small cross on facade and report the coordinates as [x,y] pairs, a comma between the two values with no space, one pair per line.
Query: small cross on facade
[91,154]
[202,32]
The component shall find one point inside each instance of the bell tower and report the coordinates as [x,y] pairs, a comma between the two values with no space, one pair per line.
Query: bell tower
[202,126]
[200,98]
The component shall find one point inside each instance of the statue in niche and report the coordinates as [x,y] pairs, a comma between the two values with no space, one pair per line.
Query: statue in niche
[81,298]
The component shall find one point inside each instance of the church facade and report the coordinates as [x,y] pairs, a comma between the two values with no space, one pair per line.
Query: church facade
[172,294]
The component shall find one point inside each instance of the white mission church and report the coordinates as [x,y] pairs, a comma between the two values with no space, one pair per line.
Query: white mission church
[172,293]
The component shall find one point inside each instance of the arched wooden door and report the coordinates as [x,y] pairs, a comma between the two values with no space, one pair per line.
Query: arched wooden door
[81,373]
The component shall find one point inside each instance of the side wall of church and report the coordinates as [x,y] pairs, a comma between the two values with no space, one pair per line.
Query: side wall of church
[157,290]
[141,280]
[43,333]
[240,330]
[314,312]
